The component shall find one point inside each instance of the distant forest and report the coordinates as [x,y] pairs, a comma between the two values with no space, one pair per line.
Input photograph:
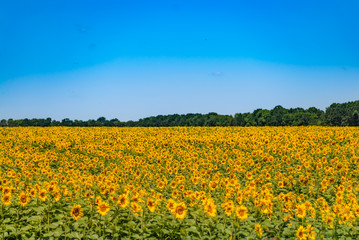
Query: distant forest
[337,114]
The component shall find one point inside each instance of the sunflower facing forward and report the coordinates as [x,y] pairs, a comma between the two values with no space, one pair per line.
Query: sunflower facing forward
[180,210]
[23,199]
[103,208]
[6,200]
[76,212]
[241,212]
[123,201]
[42,195]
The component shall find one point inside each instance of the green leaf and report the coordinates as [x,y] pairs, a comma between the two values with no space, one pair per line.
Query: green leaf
[59,216]
[58,232]
[34,219]
[136,236]
[183,232]
[53,225]
[228,231]
[10,228]
[77,235]
[131,224]
[49,234]
[7,220]
[26,228]
[192,229]
[190,221]
[93,236]
[220,226]
[39,209]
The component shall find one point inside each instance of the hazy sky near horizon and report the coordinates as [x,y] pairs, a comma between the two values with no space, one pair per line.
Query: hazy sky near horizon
[132,59]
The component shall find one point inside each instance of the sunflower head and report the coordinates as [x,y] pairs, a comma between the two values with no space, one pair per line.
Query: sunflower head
[6,191]
[123,201]
[301,233]
[301,211]
[57,196]
[6,200]
[241,212]
[103,208]
[180,210]
[211,209]
[258,229]
[310,232]
[23,199]
[76,212]
[136,208]
[33,192]
[42,195]
[151,204]
[171,205]
[229,209]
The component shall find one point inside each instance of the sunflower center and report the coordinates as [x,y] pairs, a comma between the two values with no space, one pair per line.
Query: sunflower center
[103,208]
[180,210]
[76,212]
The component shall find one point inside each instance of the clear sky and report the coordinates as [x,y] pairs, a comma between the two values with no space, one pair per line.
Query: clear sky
[83,59]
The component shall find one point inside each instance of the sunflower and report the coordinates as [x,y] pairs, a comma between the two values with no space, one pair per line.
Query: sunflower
[258,230]
[310,232]
[212,185]
[301,211]
[103,208]
[6,200]
[228,206]
[136,208]
[6,190]
[211,209]
[329,220]
[151,204]
[76,212]
[51,188]
[180,210]
[136,198]
[301,233]
[161,185]
[57,196]
[33,193]
[23,199]
[98,200]
[42,195]
[241,212]
[123,201]
[173,184]
[171,205]
[311,212]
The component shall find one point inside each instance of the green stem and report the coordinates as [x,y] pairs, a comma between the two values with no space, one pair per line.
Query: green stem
[142,218]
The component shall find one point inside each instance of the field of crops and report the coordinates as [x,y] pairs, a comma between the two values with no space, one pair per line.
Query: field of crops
[179,183]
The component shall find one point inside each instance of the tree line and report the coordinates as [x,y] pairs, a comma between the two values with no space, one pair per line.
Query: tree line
[337,114]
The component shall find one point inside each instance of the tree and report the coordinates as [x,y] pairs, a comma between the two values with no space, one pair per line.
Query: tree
[239,119]
[66,122]
[3,123]
[101,121]
[354,121]
[276,116]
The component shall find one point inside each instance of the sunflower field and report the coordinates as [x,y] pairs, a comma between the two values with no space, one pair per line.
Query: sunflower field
[179,183]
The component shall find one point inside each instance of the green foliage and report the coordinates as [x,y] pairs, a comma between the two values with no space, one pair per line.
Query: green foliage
[344,114]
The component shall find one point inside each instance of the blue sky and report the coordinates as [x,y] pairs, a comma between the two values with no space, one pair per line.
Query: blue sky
[133,59]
